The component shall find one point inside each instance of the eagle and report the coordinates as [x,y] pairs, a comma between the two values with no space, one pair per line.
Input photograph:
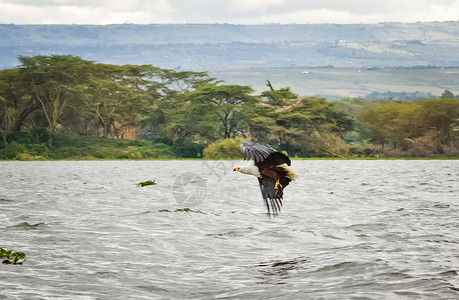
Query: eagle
[272,168]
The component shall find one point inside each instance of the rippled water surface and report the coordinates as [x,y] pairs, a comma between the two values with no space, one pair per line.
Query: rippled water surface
[347,230]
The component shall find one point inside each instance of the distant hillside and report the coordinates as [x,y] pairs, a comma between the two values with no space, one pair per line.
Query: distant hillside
[334,83]
[224,46]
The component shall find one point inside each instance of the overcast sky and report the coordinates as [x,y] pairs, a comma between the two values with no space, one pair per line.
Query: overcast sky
[225,11]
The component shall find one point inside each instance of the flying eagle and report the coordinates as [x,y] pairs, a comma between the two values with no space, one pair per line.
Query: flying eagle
[272,169]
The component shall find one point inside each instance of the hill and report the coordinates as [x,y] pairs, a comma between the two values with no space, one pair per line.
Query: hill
[225,46]
[334,83]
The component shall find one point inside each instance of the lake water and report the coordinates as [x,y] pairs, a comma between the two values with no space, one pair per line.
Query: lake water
[347,230]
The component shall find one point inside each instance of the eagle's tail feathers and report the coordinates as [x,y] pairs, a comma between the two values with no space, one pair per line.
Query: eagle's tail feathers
[290,174]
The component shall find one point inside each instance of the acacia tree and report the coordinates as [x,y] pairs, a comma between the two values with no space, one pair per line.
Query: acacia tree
[447,94]
[16,105]
[393,122]
[278,97]
[168,108]
[52,81]
[440,115]
[135,80]
[8,103]
[107,94]
[299,124]
[396,123]
[223,107]
[5,119]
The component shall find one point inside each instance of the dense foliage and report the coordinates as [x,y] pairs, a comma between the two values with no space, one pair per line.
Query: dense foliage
[61,106]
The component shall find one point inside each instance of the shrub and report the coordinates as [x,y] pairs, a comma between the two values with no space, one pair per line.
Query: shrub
[162,150]
[329,144]
[36,136]
[24,156]
[12,150]
[145,152]
[224,149]
[428,145]
[135,155]
[38,149]
[187,150]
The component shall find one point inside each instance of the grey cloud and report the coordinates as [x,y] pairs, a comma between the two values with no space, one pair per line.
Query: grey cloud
[229,11]
[42,3]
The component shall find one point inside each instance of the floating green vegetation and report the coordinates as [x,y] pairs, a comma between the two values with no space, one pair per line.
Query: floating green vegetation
[12,258]
[145,183]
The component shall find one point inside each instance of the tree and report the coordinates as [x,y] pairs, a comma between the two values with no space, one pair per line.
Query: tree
[393,122]
[402,123]
[168,89]
[440,115]
[5,119]
[120,96]
[298,124]
[8,102]
[447,95]
[52,81]
[279,97]
[262,127]
[309,116]
[222,107]
[16,105]
[136,79]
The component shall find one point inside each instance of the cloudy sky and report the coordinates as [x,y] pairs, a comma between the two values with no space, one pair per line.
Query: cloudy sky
[225,11]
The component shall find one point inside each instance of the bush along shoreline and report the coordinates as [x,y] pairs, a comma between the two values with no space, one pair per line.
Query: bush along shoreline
[97,148]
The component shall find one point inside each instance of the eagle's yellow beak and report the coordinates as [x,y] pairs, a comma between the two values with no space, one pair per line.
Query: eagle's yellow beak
[236,169]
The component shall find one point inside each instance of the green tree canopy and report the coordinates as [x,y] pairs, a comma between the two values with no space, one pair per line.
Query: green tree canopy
[278,97]
[295,125]
[395,122]
[220,108]
[447,95]
[53,82]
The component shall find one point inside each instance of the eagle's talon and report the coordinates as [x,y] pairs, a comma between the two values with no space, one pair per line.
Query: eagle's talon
[278,189]
[277,186]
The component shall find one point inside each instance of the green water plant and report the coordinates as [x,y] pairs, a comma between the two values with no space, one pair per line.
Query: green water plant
[145,183]
[12,258]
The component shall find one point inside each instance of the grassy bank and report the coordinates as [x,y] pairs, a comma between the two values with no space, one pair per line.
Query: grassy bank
[72,147]
[32,146]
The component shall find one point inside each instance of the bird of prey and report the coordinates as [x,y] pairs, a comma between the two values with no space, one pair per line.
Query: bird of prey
[272,168]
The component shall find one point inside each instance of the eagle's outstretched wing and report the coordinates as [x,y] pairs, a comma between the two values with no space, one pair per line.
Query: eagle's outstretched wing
[257,152]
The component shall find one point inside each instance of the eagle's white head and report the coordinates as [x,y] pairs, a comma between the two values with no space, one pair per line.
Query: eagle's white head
[249,169]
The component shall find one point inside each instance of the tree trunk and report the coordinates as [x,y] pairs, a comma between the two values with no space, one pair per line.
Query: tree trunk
[24,115]
[52,131]
[50,140]
[4,138]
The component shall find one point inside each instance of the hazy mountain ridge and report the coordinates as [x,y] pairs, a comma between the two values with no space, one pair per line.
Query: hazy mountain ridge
[223,33]
[223,46]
